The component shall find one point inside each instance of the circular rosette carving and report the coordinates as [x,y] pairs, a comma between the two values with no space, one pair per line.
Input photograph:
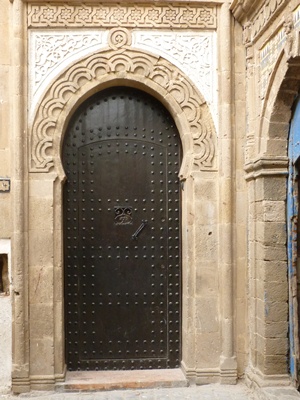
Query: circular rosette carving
[119,37]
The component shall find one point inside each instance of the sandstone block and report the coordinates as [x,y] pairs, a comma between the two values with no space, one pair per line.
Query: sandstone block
[207,306]
[41,247]
[207,349]
[42,356]
[41,284]
[272,233]
[41,214]
[41,321]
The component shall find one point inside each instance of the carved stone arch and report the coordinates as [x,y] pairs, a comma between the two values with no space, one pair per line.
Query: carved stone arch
[128,66]
[267,179]
[284,85]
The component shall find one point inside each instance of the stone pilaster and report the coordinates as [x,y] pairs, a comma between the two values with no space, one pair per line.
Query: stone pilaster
[20,374]
[268,285]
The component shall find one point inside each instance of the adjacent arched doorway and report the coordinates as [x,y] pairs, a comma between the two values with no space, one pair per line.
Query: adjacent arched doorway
[122,241]
[293,240]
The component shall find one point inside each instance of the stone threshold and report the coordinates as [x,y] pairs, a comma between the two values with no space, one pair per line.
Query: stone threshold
[87,381]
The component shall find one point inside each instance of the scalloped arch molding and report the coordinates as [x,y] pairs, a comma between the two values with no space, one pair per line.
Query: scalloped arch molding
[123,65]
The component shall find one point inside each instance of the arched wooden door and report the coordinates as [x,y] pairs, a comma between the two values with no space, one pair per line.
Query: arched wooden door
[121,156]
[293,242]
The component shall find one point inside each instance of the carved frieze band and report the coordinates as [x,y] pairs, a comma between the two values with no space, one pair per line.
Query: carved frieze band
[131,16]
[111,64]
[266,12]
[283,39]
[268,57]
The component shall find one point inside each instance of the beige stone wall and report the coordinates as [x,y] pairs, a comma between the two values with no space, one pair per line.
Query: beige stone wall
[5,197]
[5,104]
[271,31]
[240,202]
[6,323]
[214,199]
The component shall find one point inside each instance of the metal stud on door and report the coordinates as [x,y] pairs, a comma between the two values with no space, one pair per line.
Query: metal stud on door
[121,155]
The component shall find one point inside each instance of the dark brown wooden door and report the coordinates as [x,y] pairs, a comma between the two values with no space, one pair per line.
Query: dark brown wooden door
[121,155]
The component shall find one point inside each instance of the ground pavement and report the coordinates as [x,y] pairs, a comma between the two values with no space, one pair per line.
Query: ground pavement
[205,392]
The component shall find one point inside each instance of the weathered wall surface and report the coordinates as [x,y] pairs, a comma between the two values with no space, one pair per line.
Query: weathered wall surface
[5,325]
[241,217]
[271,37]
[188,59]
[5,197]
[5,171]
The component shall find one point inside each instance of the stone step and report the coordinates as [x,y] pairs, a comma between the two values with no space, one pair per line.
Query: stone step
[112,380]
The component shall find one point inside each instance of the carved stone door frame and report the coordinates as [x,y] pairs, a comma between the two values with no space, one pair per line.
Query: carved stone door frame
[191,114]
[39,350]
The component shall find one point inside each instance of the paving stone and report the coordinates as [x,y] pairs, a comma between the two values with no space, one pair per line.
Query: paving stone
[282,393]
[205,392]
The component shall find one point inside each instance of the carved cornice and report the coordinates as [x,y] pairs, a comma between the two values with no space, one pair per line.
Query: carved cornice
[115,64]
[266,166]
[241,9]
[256,15]
[45,15]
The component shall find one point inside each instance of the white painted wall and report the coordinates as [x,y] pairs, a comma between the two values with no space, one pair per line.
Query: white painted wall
[5,329]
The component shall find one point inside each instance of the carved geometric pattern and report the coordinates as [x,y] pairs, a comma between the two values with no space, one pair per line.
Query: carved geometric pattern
[268,57]
[118,64]
[266,12]
[113,15]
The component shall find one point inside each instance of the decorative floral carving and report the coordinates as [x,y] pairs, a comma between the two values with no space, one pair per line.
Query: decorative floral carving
[171,15]
[118,14]
[119,37]
[153,14]
[188,15]
[136,15]
[205,15]
[193,53]
[50,49]
[65,14]
[4,185]
[83,14]
[131,64]
[108,15]
[48,13]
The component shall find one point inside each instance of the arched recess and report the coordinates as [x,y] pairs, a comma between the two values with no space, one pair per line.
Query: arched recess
[121,155]
[293,248]
[277,107]
[279,136]
[114,66]
[271,289]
